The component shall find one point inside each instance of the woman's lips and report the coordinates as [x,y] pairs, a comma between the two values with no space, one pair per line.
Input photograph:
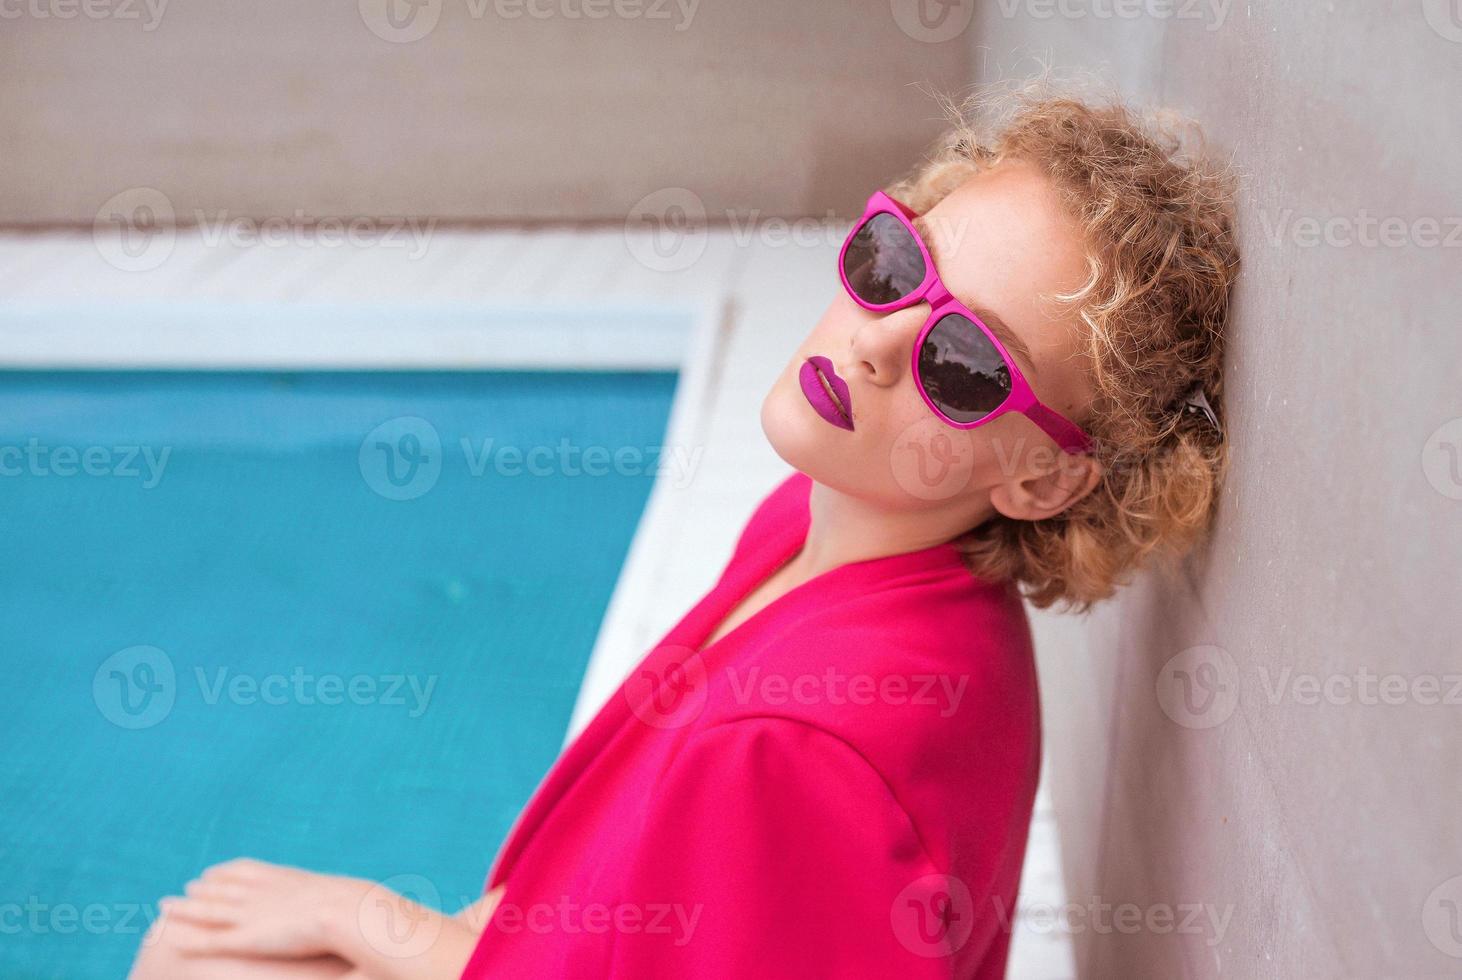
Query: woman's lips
[826,392]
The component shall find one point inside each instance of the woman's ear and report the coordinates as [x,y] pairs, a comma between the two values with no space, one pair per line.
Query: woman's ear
[1054,486]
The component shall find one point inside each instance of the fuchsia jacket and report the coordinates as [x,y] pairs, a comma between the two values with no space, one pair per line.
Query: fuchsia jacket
[841,786]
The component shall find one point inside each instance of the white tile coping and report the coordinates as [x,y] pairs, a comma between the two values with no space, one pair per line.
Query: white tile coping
[622,639]
[337,336]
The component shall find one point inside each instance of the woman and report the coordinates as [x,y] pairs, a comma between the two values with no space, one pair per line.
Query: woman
[827,767]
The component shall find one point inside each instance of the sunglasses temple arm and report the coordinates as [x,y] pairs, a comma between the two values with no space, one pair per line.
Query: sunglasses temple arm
[880,202]
[1070,438]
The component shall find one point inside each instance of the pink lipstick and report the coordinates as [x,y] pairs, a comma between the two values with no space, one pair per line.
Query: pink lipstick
[826,392]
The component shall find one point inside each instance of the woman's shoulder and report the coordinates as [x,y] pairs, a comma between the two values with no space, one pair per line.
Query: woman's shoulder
[906,658]
[777,756]
[922,619]
[936,681]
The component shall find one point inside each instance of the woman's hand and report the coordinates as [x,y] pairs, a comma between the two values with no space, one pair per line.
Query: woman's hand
[252,908]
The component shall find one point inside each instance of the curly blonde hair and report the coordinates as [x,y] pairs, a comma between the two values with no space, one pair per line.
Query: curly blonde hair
[1157,222]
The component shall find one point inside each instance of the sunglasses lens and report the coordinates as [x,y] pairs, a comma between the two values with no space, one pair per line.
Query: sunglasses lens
[883,263]
[961,370]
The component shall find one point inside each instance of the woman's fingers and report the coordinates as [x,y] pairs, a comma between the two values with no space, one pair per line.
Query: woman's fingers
[200,910]
[180,935]
[250,907]
[216,890]
[214,942]
[240,869]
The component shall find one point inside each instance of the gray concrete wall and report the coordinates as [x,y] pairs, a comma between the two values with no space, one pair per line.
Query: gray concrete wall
[1273,732]
[500,109]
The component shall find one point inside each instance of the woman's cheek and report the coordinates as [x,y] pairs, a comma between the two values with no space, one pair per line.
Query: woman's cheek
[928,460]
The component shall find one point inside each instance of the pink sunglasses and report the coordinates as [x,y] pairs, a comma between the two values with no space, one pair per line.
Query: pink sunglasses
[962,370]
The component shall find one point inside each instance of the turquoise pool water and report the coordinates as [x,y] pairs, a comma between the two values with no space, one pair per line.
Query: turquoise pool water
[334,620]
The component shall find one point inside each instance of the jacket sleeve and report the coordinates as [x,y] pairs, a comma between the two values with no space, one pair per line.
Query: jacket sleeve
[774,849]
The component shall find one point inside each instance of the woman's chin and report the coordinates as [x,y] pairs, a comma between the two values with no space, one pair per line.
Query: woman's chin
[807,442]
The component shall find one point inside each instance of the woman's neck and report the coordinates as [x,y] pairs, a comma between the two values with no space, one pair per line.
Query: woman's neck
[843,529]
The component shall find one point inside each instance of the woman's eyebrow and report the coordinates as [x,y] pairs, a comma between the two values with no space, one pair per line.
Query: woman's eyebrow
[998,327]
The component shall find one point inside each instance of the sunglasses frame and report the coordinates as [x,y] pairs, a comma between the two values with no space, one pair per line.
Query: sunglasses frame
[1022,398]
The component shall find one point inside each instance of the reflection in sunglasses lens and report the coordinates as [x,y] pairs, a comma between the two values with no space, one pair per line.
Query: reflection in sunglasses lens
[961,371]
[882,262]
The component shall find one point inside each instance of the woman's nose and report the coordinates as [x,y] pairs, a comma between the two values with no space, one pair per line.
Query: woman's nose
[883,342]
